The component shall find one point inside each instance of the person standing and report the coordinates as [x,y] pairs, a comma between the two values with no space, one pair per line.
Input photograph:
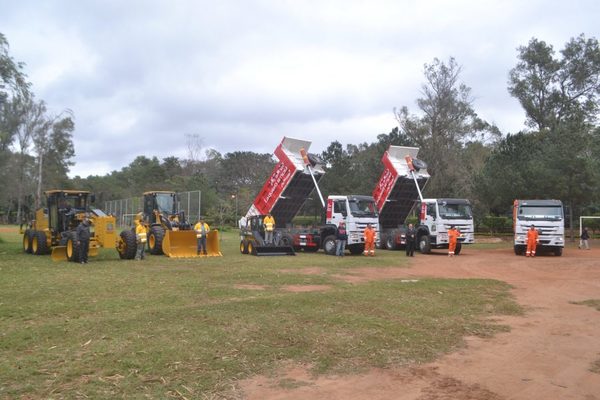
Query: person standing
[202,230]
[369,235]
[532,240]
[411,238]
[269,224]
[83,240]
[141,238]
[584,239]
[341,239]
[453,235]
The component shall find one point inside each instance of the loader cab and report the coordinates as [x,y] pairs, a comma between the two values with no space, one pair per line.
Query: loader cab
[65,209]
[159,207]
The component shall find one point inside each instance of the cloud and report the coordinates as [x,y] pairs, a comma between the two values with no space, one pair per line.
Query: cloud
[140,75]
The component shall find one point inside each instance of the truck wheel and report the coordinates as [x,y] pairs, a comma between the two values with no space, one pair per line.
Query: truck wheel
[72,248]
[286,240]
[458,248]
[127,245]
[519,250]
[356,249]
[329,245]
[425,244]
[155,239]
[39,245]
[390,241]
[558,251]
[27,241]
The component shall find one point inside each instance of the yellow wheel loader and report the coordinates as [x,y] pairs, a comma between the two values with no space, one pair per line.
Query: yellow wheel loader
[167,229]
[53,229]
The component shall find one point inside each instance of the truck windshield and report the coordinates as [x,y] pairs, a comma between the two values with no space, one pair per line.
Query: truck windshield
[540,212]
[363,208]
[164,202]
[455,211]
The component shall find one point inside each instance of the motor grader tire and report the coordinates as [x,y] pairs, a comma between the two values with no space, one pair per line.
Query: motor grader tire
[155,239]
[127,245]
[27,236]
[39,244]
[72,248]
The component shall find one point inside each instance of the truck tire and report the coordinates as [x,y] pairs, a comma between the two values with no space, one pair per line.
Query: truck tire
[155,239]
[27,236]
[458,248]
[519,250]
[39,244]
[286,240]
[312,249]
[424,244]
[72,247]
[390,241]
[127,245]
[329,245]
[558,251]
[356,249]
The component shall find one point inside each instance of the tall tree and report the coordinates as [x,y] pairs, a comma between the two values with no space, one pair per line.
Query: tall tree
[447,122]
[556,90]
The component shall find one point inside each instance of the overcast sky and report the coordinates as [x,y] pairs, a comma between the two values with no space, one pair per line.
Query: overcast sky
[141,75]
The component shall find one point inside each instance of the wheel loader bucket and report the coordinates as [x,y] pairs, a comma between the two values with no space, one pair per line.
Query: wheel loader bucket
[274,251]
[213,245]
[180,244]
[59,253]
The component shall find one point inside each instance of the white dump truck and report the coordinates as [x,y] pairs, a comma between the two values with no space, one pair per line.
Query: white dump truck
[399,191]
[547,218]
[292,181]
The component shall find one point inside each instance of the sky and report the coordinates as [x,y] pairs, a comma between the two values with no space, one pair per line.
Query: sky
[142,77]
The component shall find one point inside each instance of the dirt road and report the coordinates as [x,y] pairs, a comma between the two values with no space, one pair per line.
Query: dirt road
[548,354]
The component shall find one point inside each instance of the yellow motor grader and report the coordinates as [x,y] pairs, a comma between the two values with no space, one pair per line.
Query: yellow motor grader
[53,229]
[167,229]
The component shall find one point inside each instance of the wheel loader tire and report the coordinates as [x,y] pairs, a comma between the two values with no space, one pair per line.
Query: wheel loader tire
[27,236]
[329,245]
[72,248]
[458,248]
[155,239]
[127,245]
[424,244]
[39,244]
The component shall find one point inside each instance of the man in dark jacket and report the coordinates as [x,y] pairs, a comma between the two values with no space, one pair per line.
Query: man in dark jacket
[83,240]
[411,239]
[340,240]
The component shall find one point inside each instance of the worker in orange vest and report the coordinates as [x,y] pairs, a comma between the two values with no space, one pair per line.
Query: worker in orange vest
[532,241]
[369,234]
[453,235]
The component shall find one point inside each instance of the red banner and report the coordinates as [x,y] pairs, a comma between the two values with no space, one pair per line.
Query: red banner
[274,186]
[386,182]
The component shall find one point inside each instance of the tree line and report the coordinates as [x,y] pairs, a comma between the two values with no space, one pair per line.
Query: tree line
[556,155]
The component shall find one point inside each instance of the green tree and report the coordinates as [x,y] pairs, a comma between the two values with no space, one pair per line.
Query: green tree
[447,122]
[555,90]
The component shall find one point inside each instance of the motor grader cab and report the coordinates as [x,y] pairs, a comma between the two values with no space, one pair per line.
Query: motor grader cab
[168,230]
[53,229]
[253,240]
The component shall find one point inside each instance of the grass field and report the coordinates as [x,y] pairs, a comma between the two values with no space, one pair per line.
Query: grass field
[190,328]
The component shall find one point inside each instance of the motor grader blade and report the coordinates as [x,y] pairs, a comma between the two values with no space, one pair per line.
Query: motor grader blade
[180,244]
[59,253]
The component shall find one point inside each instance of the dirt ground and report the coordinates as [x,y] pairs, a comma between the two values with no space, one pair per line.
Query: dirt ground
[548,353]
